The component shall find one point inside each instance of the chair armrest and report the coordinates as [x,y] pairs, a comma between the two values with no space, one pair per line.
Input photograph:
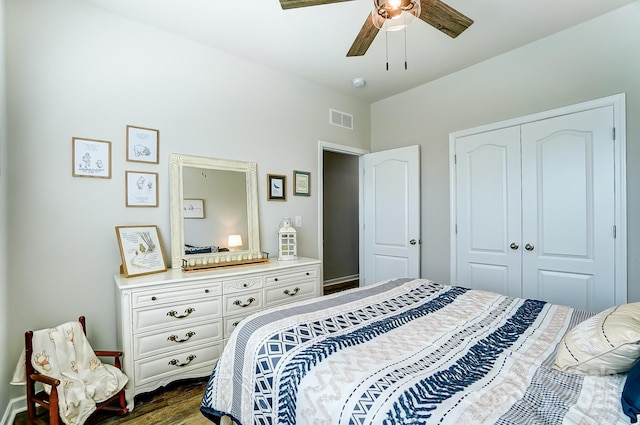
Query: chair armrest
[108,353]
[115,354]
[45,379]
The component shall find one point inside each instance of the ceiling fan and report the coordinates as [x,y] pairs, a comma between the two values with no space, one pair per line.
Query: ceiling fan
[434,12]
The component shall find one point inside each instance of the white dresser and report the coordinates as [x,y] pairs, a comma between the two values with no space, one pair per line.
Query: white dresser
[173,325]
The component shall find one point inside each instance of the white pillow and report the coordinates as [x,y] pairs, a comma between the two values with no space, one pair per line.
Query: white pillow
[605,344]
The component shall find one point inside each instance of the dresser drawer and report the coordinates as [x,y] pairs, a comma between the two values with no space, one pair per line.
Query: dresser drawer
[175,295]
[237,285]
[291,292]
[231,322]
[145,319]
[177,362]
[291,276]
[153,343]
[243,302]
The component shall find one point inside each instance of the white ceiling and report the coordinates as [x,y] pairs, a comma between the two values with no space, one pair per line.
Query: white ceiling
[312,42]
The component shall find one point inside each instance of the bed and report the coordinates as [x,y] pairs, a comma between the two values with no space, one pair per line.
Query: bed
[413,351]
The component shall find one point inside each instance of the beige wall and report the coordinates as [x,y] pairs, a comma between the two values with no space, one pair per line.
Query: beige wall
[77,71]
[593,60]
[4,305]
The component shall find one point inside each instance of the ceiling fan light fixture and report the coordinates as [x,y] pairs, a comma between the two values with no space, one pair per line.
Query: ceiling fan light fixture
[394,15]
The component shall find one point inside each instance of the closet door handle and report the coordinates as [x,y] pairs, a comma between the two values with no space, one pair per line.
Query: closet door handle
[514,246]
[528,247]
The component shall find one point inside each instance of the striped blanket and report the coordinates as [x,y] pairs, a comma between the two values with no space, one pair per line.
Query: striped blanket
[407,352]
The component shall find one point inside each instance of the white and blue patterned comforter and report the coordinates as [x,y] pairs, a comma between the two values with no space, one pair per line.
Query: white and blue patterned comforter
[407,352]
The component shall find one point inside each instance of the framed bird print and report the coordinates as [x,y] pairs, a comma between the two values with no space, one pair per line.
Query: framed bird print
[276,187]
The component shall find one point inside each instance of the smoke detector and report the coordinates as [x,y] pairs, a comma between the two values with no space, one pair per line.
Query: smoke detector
[358,82]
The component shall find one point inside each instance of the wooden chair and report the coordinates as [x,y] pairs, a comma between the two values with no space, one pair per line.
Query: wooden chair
[115,404]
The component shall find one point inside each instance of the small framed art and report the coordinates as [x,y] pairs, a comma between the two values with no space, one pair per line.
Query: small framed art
[143,144]
[276,187]
[140,249]
[301,183]
[141,189]
[193,208]
[91,158]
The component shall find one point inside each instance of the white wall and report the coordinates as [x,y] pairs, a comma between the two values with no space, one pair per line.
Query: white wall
[5,375]
[76,71]
[593,60]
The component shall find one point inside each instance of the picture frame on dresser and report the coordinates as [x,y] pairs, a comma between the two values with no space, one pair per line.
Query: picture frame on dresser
[140,250]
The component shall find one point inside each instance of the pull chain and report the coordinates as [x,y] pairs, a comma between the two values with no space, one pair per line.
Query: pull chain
[405,48]
[386,47]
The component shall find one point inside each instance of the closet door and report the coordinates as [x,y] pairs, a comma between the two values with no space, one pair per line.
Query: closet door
[488,211]
[568,209]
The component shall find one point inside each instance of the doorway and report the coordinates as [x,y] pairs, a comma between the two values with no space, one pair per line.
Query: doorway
[339,211]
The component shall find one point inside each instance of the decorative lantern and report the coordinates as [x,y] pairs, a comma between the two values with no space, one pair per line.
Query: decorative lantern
[287,244]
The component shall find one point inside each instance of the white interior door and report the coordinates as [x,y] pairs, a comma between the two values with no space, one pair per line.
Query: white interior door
[488,211]
[535,210]
[391,214]
[568,209]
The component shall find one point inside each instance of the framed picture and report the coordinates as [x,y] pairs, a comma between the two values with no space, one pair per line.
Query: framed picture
[140,249]
[141,189]
[301,183]
[142,144]
[91,158]
[276,187]
[193,208]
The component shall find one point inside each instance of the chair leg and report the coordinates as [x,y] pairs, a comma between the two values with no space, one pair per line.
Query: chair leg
[54,410]
[31,412]
[122,403]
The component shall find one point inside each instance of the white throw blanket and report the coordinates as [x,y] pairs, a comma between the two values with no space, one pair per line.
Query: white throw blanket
[64,353]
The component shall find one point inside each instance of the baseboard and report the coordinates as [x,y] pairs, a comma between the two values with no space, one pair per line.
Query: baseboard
[341,279]
[15,406]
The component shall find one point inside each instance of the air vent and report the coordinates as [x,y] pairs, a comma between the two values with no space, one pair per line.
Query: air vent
[341,119]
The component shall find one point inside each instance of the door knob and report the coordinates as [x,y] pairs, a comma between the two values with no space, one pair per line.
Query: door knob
[412,241]
[514,246]
[528,247]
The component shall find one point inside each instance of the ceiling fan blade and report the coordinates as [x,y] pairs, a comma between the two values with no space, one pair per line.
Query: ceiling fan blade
[364,38]
[444,17]
[292,4]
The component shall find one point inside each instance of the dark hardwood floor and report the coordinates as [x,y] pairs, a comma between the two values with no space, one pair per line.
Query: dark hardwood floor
[176,404]
[343,286]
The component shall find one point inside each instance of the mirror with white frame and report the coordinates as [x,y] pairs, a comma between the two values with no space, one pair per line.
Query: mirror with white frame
[212,199]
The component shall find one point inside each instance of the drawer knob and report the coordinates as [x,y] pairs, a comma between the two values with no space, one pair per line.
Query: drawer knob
[236,323]
[244,285]
[206,291]
[308,273]
[153,298]
[291,293]
[276,279]
[187,312]
[247,304]
[174,362]
[188,336]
